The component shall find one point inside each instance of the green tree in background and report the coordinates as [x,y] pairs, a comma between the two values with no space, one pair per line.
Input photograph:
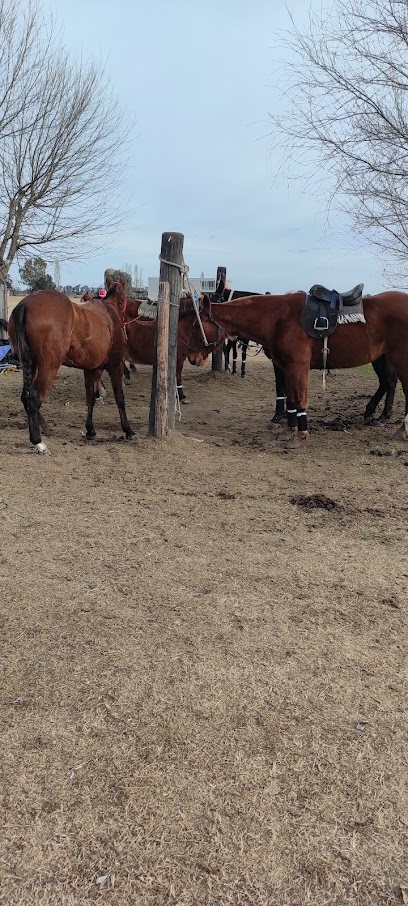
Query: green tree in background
[33,274]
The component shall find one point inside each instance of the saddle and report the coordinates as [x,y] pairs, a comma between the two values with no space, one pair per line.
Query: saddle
[325,308]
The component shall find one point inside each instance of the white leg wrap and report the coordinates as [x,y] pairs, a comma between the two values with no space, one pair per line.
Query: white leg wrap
[41,448]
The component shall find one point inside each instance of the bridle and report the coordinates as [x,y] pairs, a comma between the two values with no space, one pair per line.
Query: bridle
[209,344]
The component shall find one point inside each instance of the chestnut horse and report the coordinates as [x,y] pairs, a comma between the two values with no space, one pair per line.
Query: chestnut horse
[141,335]
[274,322]
[383,368]
[48,330]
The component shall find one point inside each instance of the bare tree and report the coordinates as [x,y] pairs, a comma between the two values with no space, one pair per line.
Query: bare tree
[345,81]
[62,140]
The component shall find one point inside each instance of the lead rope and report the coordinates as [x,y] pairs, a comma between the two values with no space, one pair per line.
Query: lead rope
[184,269]
[326,351]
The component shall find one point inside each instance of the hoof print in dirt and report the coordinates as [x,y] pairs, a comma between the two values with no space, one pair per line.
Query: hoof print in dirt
[381,453]
[315,502]
[338,424]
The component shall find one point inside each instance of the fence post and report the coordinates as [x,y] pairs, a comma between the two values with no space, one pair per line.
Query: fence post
[216,362]
[158,415]
[172,250]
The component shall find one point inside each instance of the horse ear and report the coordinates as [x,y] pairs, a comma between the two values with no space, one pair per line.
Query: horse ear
[122,280]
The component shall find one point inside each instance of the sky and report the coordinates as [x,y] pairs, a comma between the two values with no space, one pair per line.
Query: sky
[198,77]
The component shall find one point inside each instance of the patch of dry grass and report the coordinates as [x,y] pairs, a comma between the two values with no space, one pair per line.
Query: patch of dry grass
[203,685]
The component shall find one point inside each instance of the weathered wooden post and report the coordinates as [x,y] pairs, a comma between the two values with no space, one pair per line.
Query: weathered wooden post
[171,268]
[3,299]
[158,415]
[216,363]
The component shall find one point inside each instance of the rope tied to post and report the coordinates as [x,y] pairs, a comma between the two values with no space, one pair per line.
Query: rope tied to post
[184,271]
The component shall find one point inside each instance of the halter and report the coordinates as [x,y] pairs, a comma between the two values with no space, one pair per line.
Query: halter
[209,345]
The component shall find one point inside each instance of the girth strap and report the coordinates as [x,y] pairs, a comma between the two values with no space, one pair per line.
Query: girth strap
[325,354]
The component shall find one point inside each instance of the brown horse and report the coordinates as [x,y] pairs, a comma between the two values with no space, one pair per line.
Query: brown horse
[274,322]
[48,330]
[141,334]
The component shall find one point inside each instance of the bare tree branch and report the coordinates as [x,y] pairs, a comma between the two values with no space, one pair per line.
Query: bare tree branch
[346,117]
[63,141]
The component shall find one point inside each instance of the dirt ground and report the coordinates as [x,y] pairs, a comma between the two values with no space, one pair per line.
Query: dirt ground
[204,661]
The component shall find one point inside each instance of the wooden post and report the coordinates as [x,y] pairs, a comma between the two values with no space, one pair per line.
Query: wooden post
[216,362]
[158,415]
[3,299]
[172,250]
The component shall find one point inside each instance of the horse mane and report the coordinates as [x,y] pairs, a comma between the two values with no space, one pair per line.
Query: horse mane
[112,290]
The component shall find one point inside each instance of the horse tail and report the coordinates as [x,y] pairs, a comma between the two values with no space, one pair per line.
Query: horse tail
[23,350]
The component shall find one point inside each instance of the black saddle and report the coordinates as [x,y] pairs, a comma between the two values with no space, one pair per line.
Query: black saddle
[352,297]
[323,306]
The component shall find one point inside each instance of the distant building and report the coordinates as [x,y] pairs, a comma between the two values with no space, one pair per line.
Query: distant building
[200,284]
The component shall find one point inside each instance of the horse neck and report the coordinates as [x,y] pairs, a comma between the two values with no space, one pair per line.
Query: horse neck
[189,330]
[250,319]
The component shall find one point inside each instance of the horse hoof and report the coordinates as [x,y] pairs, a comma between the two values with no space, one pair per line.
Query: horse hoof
[399,434]
[276,423]
[42,449]
[185,402]
[99,399]
[369,420]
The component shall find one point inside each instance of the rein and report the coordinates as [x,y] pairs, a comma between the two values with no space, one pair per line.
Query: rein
[209,345]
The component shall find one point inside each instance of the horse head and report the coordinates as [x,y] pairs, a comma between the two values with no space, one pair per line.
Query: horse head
[116,295]
[191,335]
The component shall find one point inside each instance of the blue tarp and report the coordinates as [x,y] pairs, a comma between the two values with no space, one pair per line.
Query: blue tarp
[3,351]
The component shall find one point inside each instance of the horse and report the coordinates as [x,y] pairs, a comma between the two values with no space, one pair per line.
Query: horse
[274,322]
[383,368]
[48,330]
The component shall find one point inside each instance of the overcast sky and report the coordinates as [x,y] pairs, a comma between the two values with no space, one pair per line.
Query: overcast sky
[198,77]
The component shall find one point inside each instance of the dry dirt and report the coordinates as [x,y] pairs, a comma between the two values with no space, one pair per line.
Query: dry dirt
[203,694]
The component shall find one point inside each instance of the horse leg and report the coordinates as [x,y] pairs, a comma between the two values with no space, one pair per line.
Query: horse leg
[126,372]
[380,368]
[226,351]
[296,380]
[45,429]
[390,381]
[244,350]
[116,376]
[100,390]
[93,380]
[234,356]
[180,390]
[280,409]
[32,404]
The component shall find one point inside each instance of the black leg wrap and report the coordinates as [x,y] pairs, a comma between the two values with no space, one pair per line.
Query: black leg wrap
[291,413]
[302,420]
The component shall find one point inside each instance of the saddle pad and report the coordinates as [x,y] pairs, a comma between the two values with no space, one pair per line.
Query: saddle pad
[352,314]
[148,310]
